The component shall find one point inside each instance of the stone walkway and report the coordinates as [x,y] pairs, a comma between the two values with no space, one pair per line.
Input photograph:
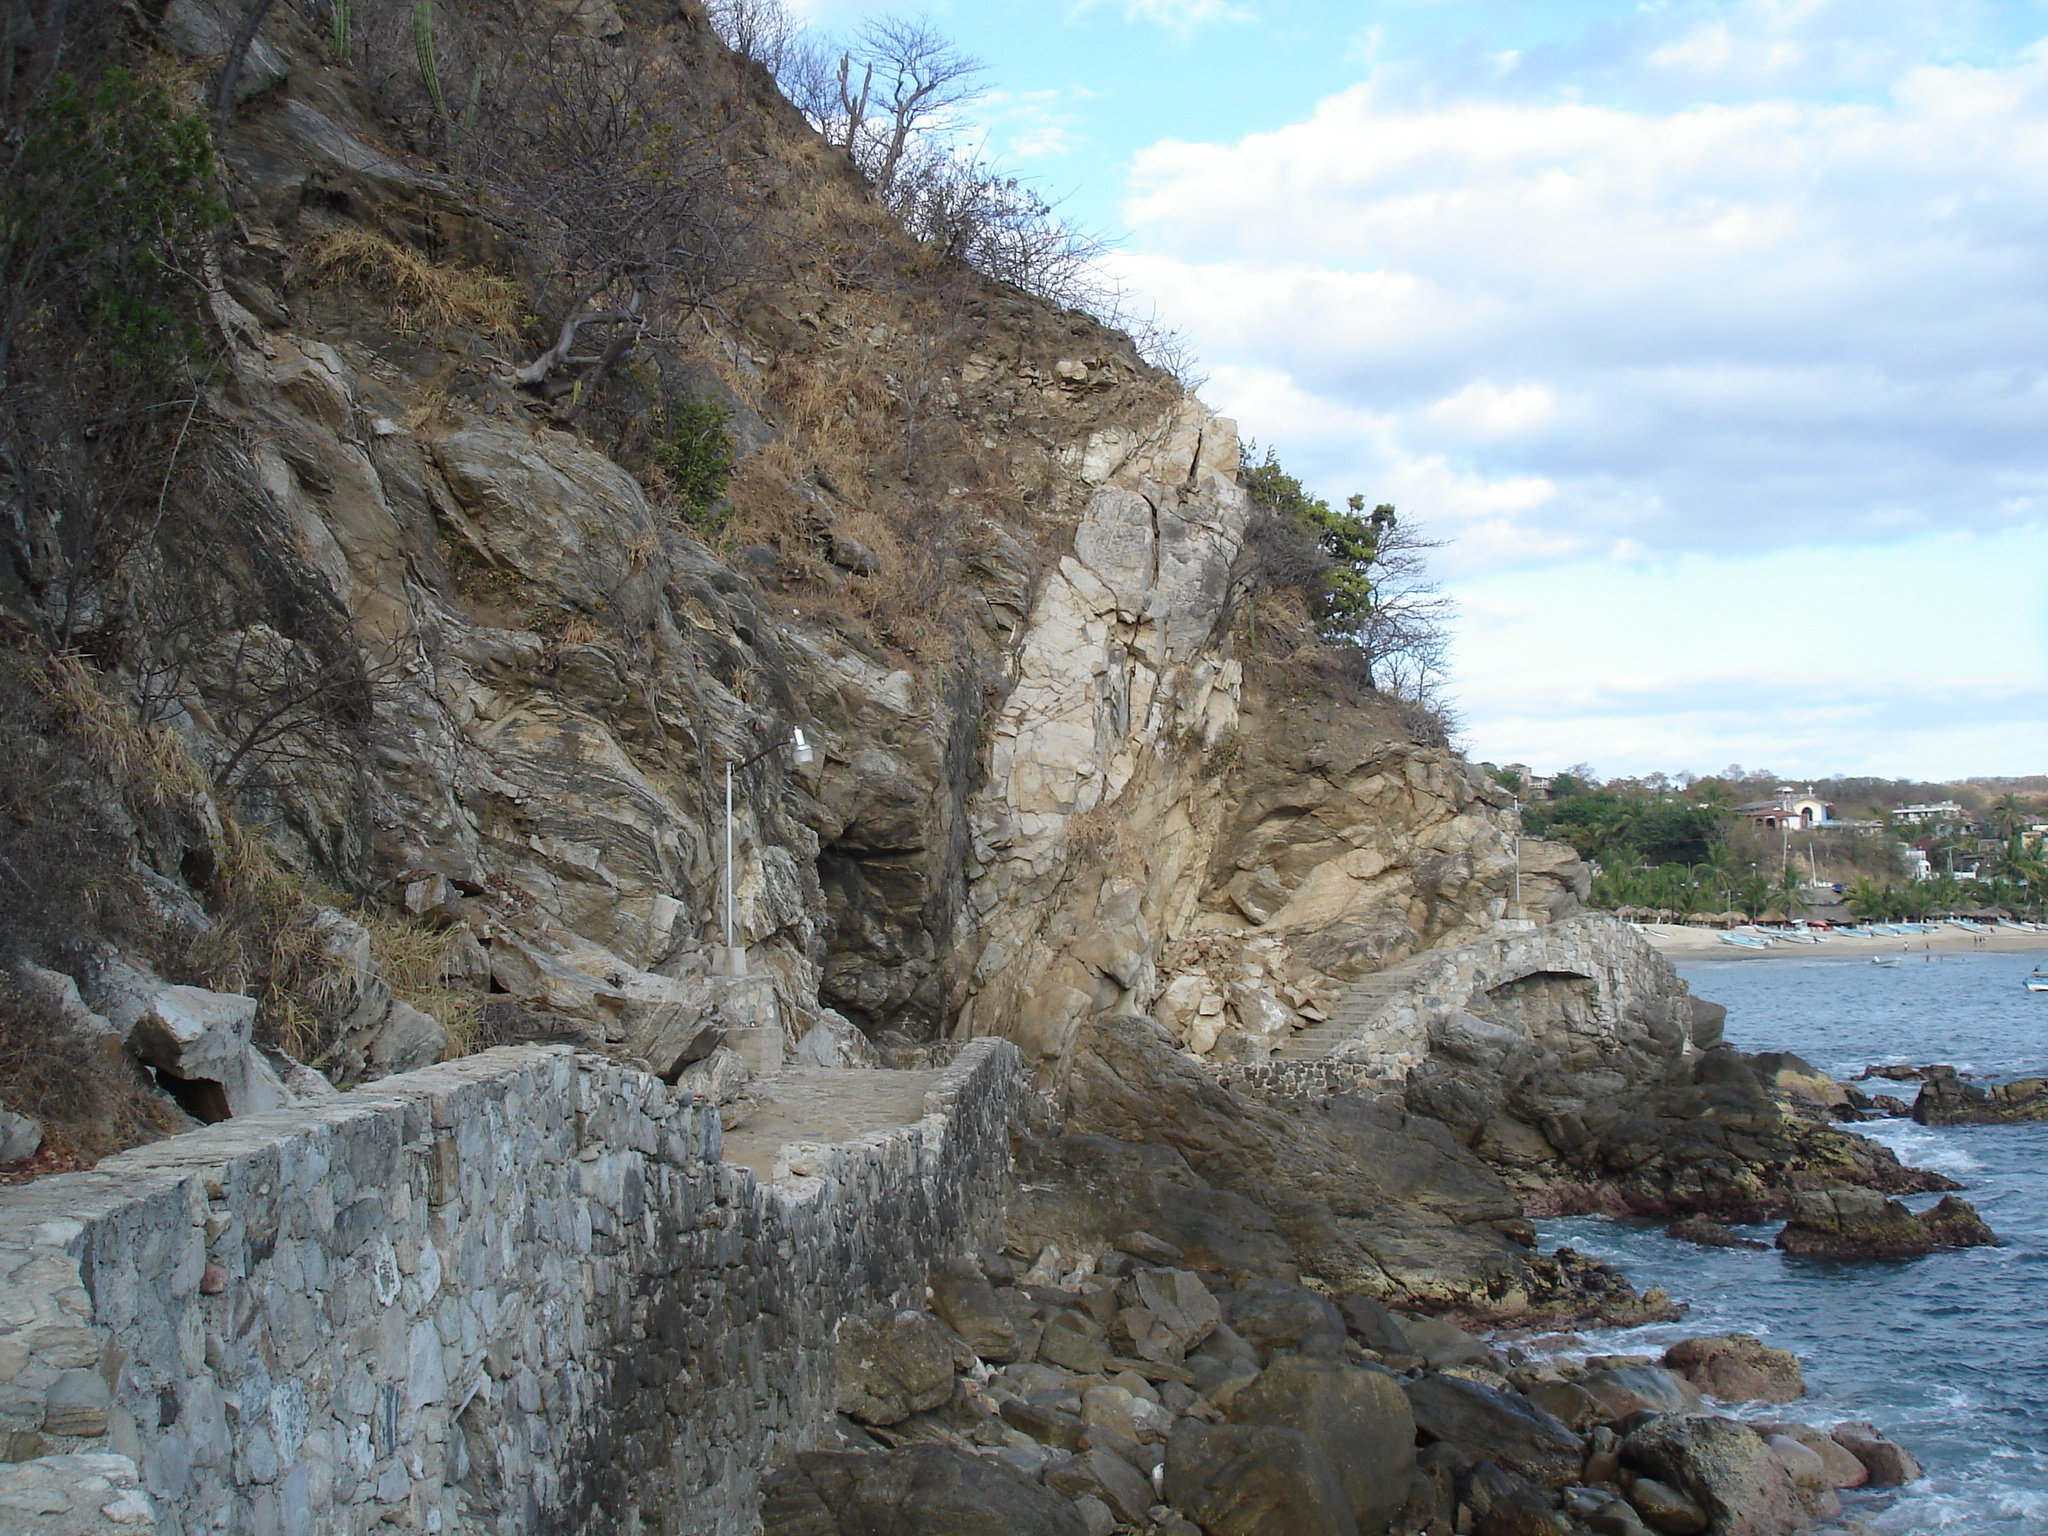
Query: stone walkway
[824,1104]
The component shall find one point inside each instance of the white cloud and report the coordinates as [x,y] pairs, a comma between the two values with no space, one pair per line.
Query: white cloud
[1734,401]
[1695,326]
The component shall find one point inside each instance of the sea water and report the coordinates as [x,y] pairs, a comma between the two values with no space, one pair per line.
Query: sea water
[1948,1354]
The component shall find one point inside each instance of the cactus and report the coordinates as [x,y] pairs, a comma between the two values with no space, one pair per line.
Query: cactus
[423,51]
[340,18]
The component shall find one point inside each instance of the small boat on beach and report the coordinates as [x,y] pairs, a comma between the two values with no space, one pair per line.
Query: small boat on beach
[2036,982]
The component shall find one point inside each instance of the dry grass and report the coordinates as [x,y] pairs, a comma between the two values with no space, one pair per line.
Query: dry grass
[410,957]
[422,293]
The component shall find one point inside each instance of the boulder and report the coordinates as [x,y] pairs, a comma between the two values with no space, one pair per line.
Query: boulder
[1809,1475]
[1356,1417]
[21,1136]
[1721,1466]
[1567,1402]
[1842,1467]
[1953,1223]
[962,1296]
[1224,1366]
[1254,1480]
[198,1043]
[1737,1369]
[921,1490]
[1374,1326]
[1889,1464]
[1074,1340]
[1503,1504]
[1273,1315]
[407,1040]
[1664,1508]
[1631,1389]
[1101,1474]
[1443,1344]
[1500,1426]
[893,1367]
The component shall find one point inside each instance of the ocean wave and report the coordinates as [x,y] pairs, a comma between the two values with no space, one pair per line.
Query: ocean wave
[1922,1148]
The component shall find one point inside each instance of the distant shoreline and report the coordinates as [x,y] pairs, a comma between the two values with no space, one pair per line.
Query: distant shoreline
[1678,942]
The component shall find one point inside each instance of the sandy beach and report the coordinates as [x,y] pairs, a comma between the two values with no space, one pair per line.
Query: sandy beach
[1705,944]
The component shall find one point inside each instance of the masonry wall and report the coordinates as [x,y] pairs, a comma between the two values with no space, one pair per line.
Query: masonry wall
[514,1293]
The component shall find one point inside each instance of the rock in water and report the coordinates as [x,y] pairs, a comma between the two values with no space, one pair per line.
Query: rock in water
[1863,1224]
[1738,1369]
[1951,1101]
[1709,1234]
[1496,1426]
[1889,1464]
[1255,1480]
[1355,1417]
[922,1490]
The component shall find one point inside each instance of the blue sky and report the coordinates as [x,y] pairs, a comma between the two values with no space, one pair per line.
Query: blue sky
[1712,336]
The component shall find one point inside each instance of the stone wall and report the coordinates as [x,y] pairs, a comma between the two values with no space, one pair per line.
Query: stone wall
[513,1293]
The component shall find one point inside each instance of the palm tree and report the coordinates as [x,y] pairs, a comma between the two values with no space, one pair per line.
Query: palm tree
[1753,896]
[1790,891]
[1719,865]
[2007,815]
[1869,900]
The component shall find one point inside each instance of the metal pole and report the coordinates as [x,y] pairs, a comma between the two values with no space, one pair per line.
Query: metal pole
[728,859]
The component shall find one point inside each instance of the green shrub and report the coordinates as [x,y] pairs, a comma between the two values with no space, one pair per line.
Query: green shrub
[695,451]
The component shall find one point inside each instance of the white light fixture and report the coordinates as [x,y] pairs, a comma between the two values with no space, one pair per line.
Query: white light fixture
[733,958]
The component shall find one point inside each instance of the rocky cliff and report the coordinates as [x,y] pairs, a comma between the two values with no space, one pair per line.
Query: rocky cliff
[442,648]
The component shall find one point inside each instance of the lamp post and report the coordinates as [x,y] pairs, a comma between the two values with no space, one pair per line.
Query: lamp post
[733,958]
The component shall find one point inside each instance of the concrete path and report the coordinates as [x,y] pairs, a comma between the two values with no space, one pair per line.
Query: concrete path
[824,1104]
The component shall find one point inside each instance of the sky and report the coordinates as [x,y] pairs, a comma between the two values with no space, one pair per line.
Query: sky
[1711,336]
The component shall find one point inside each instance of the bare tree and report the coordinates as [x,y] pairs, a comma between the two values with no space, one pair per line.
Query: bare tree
[761,30]
[1405,632]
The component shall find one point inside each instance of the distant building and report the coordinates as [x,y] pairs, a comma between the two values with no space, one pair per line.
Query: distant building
[1918,867]
[1940,813]
[1535,786]
[1789,809]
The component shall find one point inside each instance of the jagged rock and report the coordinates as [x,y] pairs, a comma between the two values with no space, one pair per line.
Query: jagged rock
[1796,1078]
[1501,1426]
[1951,1101]
[920,1490]
[1724,1468]
[1357,1418]
[1737,1368]
[892,1367]
[1254,1480]
[1889,1464]
[1862,1224]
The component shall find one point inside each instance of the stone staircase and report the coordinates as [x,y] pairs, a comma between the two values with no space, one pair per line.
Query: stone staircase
[1356,1009]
